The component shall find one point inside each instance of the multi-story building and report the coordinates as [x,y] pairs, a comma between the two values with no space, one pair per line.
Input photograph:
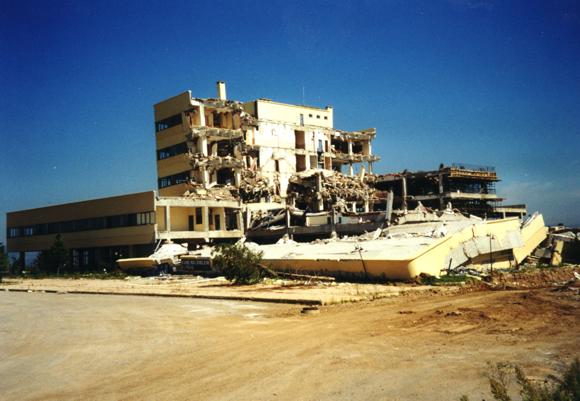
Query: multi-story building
[216,159]
[224,166]
[202,143]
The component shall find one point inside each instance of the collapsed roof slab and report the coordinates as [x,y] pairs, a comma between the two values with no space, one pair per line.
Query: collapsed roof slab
[410,250]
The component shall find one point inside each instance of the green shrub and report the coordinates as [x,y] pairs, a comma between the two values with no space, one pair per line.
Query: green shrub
[238,263]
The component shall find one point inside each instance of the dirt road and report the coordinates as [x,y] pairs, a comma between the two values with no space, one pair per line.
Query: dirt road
[415,347]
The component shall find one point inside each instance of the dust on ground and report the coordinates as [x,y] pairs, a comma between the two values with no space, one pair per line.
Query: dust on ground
[416,346]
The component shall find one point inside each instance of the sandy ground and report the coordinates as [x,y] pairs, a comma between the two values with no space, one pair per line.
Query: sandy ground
[218,288]
[417,346]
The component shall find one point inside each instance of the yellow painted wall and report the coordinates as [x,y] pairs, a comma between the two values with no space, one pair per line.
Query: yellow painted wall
[173,165]
[160,218]
[170,136]
[117,205]
[124,204]
[87,239]
[172,106]
[179,218]
[174,190]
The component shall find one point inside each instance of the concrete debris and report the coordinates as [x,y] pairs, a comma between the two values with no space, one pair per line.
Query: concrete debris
[255,188]
[324,190]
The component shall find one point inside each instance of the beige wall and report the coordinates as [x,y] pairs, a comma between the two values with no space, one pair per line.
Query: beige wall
[288,113]
[117,205]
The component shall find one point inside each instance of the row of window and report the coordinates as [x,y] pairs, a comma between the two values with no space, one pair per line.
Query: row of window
[180,178]
[318,116]
[173,150]
[95,223]
[167,122]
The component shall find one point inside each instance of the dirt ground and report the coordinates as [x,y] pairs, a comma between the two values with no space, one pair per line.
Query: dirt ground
[418,346]
[288,291]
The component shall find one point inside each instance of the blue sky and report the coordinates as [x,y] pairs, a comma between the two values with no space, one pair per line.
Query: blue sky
[485,82]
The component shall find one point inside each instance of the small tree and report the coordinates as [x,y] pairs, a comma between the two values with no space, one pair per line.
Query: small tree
[238,263]
[55,259]
[4,262]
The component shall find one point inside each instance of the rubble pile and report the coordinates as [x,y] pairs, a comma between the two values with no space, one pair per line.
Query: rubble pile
[254,187]
[333,188]
[220,192]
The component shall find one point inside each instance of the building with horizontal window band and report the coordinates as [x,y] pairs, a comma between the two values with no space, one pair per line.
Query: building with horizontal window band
[222,164]
[100,231]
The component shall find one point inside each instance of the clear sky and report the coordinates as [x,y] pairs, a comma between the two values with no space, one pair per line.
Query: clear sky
[473,81]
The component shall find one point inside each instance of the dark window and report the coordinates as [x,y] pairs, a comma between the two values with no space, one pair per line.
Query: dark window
[167,122]
[217,222]
[190,223]
[198,215]
[317,116]
[325,117]
[217,119]
[173,179]
[172,150]
[310,115]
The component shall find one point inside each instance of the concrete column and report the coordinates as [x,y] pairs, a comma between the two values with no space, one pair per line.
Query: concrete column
[366,206]
[349,148]
[389,208]
[205,217]
[248,218]
[350,169]
[167,218]
[370,167]
[320,203]
[440,185]
[404,182]
[238,177]
[307,161]
[202,145]
[287,218]
[240,218]
[223,218]
[202,115]
[214,147]
[353,207]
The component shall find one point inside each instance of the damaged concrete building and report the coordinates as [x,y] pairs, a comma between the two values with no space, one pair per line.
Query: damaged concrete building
[259,169]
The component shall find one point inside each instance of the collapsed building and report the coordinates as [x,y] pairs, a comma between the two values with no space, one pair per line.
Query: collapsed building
[261,170]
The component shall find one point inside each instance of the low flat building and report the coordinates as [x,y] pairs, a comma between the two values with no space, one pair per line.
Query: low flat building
[100,231]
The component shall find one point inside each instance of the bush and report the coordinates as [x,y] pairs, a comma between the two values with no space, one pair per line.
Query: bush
[238,263]
[565,388]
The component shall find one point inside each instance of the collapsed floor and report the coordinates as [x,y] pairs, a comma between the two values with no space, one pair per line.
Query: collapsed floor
[448,242]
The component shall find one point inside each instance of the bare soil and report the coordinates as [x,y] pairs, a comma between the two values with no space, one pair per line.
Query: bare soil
[417,346]
[305,292]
